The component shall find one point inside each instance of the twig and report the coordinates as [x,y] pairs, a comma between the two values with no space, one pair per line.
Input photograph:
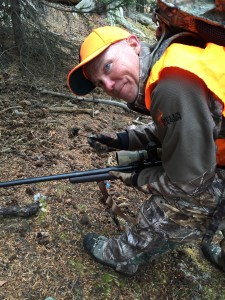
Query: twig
[8,108]
[139,122]
[71,110]
[102,101]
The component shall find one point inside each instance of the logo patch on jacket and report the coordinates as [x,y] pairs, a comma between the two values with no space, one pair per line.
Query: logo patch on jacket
[168,120]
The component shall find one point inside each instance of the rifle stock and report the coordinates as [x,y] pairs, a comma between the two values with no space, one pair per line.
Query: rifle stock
[94,175]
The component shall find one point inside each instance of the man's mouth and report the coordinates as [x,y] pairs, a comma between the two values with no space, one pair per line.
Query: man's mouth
[120,91]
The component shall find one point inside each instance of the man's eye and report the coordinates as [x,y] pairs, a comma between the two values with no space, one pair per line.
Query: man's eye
[107,67]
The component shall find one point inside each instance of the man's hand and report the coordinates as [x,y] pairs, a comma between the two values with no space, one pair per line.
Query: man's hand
[131,179]
[104,143]
[127,178]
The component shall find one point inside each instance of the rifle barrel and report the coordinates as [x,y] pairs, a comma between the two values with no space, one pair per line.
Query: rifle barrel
[81,176]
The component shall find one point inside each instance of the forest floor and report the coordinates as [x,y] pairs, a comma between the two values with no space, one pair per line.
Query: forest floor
[42,255]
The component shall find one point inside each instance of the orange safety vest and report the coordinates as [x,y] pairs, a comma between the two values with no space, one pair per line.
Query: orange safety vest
[207,63]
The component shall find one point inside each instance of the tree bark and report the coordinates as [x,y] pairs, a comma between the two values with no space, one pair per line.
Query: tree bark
[140,6]
[17,25]
[18,211]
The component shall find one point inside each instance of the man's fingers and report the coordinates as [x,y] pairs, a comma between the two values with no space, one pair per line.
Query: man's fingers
[101,148]
[115,174]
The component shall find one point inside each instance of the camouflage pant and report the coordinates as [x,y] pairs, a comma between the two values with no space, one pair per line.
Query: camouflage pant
[162,225]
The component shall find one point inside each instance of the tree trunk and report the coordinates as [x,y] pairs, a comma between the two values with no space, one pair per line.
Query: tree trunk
[17,24]
[140,6]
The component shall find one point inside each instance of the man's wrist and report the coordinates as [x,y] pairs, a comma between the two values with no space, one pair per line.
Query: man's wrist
[123,140]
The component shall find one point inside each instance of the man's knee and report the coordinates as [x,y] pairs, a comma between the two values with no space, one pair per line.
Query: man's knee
[151,211]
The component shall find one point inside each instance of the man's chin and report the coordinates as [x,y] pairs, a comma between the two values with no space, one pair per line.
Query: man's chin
[129,98]
[127,95]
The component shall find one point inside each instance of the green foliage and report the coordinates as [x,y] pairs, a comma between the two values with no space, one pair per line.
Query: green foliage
[76,264]
[43,211]
[109,285]
[64,237]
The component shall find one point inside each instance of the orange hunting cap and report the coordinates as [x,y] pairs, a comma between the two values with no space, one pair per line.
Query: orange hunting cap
[97,41]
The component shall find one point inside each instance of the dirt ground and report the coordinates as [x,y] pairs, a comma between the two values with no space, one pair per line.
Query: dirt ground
[42,256]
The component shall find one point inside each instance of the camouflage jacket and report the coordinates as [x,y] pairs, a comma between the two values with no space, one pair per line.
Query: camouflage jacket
[192,120]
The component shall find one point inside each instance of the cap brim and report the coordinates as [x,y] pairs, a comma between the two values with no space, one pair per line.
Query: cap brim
[78,83]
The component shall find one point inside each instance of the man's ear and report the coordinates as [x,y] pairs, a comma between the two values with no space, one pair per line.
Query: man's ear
[133,41]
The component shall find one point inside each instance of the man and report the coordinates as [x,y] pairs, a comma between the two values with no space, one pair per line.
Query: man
[186,104]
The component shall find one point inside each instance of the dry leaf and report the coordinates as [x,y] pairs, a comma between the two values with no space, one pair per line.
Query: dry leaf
[2,282]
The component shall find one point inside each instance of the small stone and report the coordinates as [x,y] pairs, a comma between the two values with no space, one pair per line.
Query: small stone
[84,220]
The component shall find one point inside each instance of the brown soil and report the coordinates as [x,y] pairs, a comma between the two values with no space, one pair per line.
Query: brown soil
[42,256]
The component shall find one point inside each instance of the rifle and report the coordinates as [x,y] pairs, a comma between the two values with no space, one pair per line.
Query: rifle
[128,161]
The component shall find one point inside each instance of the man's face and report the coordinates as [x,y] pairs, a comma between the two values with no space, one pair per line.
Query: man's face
[116,70]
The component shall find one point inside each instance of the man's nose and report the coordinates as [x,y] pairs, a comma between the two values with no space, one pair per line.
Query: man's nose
[108,84]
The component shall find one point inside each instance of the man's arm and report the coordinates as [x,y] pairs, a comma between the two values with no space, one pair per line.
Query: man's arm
[185,128]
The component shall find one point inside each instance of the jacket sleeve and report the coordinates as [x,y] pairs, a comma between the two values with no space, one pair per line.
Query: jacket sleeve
[138,137]
[185,129]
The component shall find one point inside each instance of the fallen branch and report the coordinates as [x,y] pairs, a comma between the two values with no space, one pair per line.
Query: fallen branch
[101,101]
[139,122]
[117,17]
[9,108]
[17,211]
[143,19]
[71,110]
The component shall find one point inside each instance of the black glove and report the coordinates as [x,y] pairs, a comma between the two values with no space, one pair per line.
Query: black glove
[103,143]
